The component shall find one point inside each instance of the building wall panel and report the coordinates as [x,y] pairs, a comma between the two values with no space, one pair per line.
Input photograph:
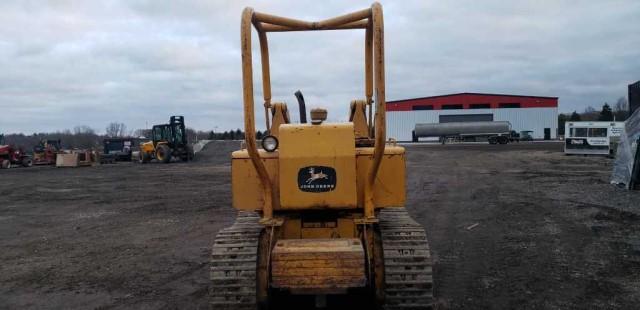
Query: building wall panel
[401,123]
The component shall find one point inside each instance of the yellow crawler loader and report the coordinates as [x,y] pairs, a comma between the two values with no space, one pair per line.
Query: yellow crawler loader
[321,205]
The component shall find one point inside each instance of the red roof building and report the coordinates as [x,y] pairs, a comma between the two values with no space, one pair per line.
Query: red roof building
[525,113]
[472,101]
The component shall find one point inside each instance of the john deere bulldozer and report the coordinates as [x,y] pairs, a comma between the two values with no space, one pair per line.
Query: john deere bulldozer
[168,141]
[321,205]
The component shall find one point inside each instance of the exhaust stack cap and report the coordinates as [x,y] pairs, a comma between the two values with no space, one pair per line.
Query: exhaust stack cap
[318,115]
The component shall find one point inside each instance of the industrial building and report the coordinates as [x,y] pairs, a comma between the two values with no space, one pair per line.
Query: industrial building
[634,97]
[535,113]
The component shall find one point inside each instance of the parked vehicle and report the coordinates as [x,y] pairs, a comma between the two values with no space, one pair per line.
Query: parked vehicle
[498,132]
[11,156]
[117,149]
[168,141]
[526,135]
[592,138]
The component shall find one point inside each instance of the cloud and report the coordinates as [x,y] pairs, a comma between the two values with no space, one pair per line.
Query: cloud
[68,63]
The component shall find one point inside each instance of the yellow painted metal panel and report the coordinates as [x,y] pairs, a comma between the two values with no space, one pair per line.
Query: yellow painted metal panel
[245,184]
[358,117]
[389,188]
[280,115]
[318,264]
[291,229]
[147,147]
[345,228]
[311,155]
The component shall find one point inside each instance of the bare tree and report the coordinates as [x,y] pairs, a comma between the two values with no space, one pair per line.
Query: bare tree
[621,109]
[590,114]
[116,129]
[83,130]
[83,137]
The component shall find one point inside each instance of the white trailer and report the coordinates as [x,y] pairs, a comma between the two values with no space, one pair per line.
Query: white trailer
[591,138]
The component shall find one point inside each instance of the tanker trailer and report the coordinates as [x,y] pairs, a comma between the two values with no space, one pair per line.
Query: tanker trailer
[493,132]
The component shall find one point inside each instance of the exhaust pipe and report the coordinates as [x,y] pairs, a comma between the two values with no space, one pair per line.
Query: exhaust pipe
[302,107]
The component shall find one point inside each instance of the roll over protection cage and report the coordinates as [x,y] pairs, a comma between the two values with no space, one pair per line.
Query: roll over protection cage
[369,19]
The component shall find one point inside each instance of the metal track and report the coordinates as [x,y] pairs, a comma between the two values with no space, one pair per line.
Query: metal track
[407,262]
[233,264]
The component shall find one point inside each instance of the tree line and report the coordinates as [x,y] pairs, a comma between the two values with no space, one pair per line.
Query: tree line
[85,137]
[619,113]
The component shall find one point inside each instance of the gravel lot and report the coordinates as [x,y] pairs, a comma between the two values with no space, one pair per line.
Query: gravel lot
[511,226]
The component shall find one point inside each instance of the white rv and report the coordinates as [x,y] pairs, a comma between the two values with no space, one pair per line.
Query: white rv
[597,138]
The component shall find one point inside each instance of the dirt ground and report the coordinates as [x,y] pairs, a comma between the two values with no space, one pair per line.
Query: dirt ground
[511,227]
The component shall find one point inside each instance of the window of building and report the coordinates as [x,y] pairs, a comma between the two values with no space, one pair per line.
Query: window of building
[598,132]
[578,132]
[479,106]
[444,118]
[509,105]
[451,106]
[422,107]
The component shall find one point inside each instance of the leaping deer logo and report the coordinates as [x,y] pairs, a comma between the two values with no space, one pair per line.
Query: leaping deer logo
[315,176]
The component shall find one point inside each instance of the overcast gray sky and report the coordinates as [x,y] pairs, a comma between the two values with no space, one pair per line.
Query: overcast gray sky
[68,63]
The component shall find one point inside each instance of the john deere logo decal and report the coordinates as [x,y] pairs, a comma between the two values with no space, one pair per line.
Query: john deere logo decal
[316,179]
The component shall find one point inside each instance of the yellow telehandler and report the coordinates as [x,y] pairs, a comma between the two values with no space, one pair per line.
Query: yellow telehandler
[168,141]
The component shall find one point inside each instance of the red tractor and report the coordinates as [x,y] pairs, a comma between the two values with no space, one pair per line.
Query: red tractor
[12,156]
